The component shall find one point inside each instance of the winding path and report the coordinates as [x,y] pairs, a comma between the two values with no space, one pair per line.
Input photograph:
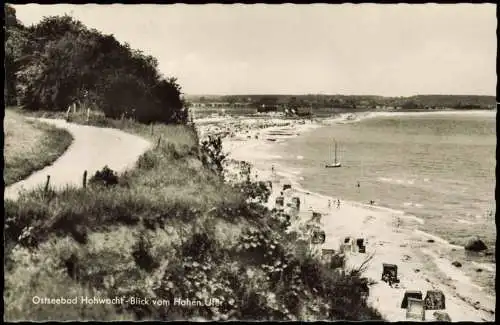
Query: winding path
[91,150]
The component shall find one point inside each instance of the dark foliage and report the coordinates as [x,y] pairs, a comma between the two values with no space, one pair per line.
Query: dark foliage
[59,62]
[142,255]
[105,177]
[211,154]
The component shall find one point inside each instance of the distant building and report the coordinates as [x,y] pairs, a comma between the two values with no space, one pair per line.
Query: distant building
[267,108]
[298,111]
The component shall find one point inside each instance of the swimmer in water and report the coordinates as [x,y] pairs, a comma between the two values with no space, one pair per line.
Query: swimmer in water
[358,185]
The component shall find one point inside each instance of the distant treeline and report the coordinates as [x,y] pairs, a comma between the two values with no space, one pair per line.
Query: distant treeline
[318,102]
[59,61]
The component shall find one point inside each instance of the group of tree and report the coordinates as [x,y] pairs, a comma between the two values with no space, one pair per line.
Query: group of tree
[59,61]
[360,102]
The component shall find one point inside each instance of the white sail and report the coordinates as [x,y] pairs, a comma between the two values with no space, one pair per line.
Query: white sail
[336,163]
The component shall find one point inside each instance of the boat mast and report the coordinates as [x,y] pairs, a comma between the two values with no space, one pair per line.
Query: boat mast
[335,152]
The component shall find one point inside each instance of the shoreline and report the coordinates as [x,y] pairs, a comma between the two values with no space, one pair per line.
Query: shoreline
[420,267]
[358,116]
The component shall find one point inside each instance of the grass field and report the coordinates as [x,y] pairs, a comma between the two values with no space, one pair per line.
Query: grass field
[171,228]
[30,146]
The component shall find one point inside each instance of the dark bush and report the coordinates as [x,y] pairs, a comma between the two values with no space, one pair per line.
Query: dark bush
[211,154]
[199,247]
[142,255]
[105,177]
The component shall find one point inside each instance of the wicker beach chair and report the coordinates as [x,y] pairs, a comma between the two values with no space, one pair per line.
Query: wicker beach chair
[296,201]
[415,310]
[280,202]
[434,300]
[318,237]
[390,273]
[410,294]
[360,243]
[316,217]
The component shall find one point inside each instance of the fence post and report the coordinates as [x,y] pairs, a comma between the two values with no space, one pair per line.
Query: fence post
[88,113]
[84,179]
[47,184]
[159,141]
[67,113]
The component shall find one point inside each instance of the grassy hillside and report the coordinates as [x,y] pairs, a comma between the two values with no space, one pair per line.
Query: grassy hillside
[30,146]
[171,228]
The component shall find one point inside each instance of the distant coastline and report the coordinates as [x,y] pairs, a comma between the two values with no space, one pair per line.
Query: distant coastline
[341,116]
[372,114]
[318,104]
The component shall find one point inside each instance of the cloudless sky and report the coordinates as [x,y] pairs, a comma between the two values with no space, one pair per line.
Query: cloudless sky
[389,50]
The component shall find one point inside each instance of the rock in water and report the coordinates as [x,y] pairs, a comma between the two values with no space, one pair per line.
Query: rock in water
[476,245]
[457,264]
[442,316]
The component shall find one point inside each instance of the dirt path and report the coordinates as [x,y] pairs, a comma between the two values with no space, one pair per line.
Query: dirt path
[91,150]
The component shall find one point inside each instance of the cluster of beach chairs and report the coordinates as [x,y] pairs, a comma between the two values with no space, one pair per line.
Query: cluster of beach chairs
[416,305]
[317,236]
[413,301]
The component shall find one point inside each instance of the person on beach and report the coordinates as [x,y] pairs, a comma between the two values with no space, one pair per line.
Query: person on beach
[338,203]
[272,169]
[358,185]
[330,204]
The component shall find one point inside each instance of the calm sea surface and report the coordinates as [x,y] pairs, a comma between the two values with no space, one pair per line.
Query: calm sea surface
[438,166]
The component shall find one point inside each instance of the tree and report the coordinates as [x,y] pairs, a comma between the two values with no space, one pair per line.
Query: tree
[15,38]
[121,93]
[171,107]
[59,61]
[10,16]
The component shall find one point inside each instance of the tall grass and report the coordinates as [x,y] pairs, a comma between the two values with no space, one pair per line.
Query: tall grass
[30,146]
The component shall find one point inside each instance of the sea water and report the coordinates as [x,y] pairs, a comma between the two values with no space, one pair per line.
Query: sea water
[438,167]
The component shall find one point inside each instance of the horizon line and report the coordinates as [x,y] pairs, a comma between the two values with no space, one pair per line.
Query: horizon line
[338,94]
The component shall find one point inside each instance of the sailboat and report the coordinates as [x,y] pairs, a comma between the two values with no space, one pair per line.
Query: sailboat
[336,164]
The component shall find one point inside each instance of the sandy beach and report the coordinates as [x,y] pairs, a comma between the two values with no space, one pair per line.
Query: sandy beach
[389,235]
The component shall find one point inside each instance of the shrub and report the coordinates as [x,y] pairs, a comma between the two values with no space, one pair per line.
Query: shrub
[147,161]
[211,154]
[254,191]
[200,247]
[105,177]
[142,254]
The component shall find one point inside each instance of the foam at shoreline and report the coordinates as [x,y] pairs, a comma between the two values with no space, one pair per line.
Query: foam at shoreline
[359,116]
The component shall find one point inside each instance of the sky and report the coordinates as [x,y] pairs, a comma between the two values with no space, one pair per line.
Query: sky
[369,49]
